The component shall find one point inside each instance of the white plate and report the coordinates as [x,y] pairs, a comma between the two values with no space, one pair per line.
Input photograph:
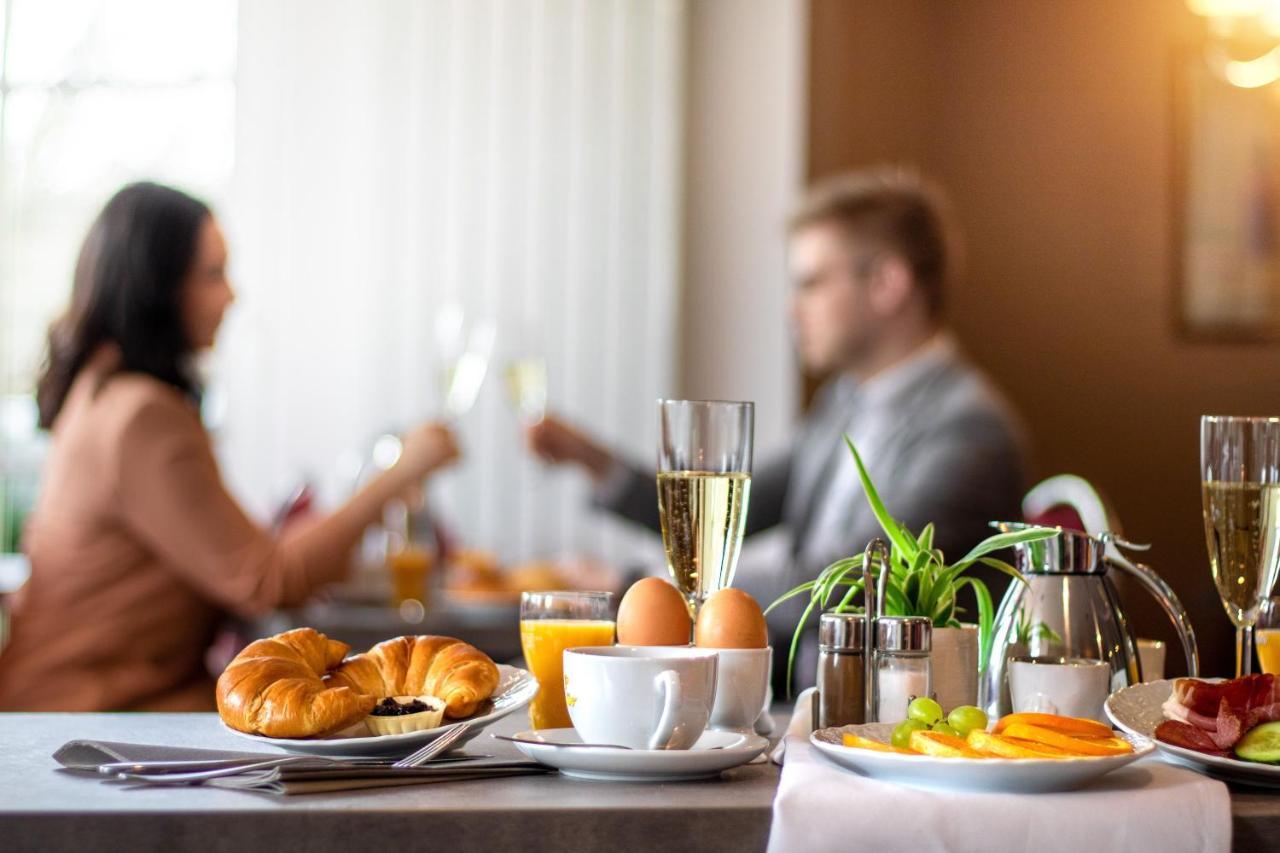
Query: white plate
[1137,710]
[516,687]
[1016,775]
[713,752]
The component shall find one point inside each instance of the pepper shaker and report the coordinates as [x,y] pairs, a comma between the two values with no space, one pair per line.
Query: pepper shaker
[841,696]
[902,665]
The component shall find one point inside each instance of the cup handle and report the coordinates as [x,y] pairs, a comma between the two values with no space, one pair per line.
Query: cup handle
[668,683]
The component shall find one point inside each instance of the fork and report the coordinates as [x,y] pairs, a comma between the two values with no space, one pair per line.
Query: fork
[437,746]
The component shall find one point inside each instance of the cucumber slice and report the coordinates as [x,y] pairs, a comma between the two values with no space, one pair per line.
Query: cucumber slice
[1262,744]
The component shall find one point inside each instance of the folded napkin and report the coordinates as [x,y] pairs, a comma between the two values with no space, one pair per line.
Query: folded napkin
[309,775]
[88,754]
[1148,805]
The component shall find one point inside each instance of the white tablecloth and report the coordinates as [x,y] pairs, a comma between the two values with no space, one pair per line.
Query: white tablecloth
[1149,805]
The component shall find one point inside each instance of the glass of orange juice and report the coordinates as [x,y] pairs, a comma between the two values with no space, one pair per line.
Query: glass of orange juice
[551,622]
[1266,636]
[410,567]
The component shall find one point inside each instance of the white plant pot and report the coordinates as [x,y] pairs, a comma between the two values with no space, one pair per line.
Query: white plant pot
[955,666]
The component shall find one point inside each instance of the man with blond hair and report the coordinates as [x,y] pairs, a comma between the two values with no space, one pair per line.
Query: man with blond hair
[871,256]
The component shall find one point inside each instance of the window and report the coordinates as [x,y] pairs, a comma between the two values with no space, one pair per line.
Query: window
[93,94]
[370,163]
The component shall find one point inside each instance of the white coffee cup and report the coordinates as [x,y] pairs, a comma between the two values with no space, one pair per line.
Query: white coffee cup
[742,685]
[644,697]
[1071,687]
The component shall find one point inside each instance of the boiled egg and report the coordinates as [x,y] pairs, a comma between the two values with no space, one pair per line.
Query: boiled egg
[730,619]
[653,613]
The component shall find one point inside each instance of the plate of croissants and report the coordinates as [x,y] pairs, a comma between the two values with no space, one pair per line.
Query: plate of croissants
[299,691]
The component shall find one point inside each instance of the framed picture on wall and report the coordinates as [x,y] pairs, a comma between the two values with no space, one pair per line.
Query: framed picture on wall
[1227,198]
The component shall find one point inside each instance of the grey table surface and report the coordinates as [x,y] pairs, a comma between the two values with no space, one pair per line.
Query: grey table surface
[45,809]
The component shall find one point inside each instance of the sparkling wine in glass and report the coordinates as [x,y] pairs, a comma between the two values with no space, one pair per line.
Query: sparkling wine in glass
[464,351]
[1240,488]
[704,483]
[527,387]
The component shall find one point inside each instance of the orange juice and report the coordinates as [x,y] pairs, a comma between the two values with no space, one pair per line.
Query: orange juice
[409,567]
[544,642]
[1267,642]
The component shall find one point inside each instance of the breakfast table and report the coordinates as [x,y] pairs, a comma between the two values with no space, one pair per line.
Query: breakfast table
[46,809]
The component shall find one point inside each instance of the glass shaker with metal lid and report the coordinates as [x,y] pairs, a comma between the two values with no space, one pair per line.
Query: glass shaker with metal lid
[902,664]
[841,698]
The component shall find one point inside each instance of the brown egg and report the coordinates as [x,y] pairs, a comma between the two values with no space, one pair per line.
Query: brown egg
[730,619]
[653,613]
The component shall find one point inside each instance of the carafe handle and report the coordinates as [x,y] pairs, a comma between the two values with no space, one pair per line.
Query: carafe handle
[1164,594]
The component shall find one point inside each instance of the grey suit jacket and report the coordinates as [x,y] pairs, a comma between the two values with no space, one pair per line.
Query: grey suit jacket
[941,446]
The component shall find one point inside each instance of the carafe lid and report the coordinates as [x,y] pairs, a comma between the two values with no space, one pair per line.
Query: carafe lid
[1069,553]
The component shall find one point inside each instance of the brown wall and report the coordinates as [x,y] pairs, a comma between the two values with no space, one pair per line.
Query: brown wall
[1051,124]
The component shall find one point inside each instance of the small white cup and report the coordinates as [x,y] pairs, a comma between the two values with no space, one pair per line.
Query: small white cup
[1072,687]
[742,685]
[644,697]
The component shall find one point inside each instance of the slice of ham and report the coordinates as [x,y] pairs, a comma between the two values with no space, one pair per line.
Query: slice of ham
[1205,698]
[1219,712]
[1187,736]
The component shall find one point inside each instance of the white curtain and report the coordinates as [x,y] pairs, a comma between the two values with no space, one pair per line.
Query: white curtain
[519,157]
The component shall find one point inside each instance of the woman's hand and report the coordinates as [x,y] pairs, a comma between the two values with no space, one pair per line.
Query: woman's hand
[425,449]
[558,443]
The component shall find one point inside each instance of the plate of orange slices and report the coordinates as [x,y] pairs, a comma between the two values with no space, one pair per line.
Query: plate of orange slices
[1020,753]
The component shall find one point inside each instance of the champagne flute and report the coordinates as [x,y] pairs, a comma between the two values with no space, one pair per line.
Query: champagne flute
[1240,487]
[704,483]
[527,387]
[465,350]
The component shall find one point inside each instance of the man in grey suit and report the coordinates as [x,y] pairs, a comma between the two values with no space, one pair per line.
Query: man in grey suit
[870,257]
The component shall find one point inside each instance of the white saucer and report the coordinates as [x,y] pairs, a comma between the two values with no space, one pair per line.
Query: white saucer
[713,753]
[516,688]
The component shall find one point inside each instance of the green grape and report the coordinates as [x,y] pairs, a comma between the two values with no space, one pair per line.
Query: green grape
[944,729]
[966,718]
[902,733]
[925,710]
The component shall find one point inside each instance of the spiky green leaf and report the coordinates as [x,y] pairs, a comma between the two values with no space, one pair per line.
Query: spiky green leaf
[892,528]
[1007,540]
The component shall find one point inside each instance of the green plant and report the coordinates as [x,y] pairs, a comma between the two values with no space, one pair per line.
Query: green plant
[920,581]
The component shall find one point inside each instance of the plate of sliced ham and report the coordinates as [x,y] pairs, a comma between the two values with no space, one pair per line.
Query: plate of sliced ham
[1198,722]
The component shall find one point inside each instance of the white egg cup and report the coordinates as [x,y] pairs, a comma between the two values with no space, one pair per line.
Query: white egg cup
[742,688]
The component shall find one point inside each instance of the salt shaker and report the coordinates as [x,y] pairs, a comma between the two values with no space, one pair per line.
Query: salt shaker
[902,669]
[841,696]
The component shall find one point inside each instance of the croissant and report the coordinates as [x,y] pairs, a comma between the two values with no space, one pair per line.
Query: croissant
[274,688]
[456,672]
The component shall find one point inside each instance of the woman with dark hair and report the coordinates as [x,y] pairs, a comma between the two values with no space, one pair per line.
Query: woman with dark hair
[137,550]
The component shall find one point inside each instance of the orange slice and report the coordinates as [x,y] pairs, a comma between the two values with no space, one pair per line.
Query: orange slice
[942,745]
[998,746]
[1049,751]
[1073,745]
[859,742]
[1073,726]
